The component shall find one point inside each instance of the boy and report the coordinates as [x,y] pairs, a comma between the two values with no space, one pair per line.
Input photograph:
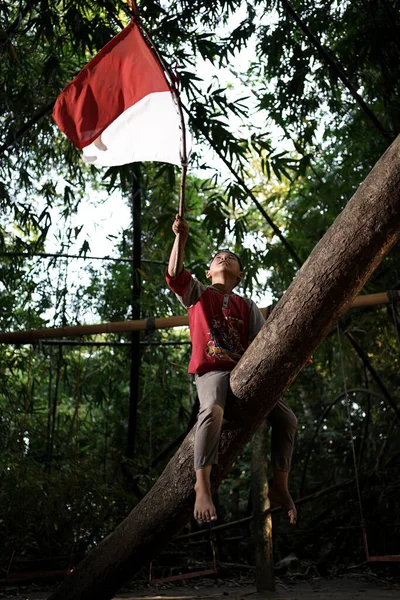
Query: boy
[222,324]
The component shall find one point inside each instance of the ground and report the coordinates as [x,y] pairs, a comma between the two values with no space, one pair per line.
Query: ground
[368,587]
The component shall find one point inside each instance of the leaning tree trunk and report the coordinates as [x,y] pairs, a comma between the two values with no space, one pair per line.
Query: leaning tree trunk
[322,291]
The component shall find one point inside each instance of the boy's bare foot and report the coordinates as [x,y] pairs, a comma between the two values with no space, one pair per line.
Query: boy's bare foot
[285,500]
[204,509]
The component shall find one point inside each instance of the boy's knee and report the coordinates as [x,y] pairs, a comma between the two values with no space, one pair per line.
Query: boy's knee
[214,412]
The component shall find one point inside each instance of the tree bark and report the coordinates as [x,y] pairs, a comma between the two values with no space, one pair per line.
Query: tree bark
[319,295]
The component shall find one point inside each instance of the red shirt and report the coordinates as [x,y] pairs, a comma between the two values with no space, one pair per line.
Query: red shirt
[221,325]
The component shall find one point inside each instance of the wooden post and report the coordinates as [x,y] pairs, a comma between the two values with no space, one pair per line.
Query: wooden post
[134,388]
[262,523]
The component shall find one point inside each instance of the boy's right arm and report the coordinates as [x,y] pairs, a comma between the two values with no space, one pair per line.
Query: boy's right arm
[187,289]
[181,227]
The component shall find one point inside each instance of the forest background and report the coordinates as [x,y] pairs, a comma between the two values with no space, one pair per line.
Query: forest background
[289,137]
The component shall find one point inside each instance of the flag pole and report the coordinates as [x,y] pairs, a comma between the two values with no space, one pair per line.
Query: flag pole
[173,83]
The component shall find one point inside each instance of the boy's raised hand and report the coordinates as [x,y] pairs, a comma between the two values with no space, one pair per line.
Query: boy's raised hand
[175,264]
[181,226]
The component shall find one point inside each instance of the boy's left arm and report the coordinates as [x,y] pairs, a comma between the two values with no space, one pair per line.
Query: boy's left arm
[256,321]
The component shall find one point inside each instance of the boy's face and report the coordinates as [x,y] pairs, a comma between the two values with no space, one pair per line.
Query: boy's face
[226,263]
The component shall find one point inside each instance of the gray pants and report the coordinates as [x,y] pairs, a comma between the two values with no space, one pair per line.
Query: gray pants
[213,389]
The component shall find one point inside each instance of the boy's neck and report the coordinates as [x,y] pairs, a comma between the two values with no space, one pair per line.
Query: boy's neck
[225,286]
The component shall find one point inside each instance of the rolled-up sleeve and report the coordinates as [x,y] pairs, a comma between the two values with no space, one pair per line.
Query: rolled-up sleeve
[187,289]
[256,321]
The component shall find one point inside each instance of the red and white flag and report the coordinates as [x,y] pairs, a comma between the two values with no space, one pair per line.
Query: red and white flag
[120,109]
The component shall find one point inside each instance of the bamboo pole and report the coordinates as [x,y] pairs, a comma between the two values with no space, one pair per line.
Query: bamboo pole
[372,300]
[33,335]
[262,523]
[173,84]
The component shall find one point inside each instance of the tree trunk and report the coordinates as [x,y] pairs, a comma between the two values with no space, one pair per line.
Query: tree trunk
[319,295]
[262,524]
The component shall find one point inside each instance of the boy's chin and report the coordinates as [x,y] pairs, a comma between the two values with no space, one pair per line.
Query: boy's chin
[224,272]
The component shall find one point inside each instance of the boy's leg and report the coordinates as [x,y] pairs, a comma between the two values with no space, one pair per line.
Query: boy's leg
[283,429]
[212,389]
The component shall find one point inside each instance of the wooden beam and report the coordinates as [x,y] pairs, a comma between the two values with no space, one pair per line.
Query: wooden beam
[33,335]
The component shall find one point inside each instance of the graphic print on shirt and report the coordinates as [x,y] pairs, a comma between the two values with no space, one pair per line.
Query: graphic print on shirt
[225,342]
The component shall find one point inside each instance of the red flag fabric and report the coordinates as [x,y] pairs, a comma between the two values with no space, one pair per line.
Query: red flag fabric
[120,109]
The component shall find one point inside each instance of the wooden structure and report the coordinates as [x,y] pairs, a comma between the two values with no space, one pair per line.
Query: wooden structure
[27,337]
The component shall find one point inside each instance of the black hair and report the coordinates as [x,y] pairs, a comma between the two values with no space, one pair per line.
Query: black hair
[229,252]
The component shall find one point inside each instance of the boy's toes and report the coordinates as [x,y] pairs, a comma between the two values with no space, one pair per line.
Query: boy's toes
[204,509]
